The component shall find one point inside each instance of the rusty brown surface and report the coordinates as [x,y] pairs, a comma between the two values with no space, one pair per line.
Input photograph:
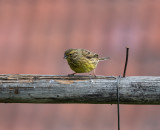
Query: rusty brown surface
[34,36]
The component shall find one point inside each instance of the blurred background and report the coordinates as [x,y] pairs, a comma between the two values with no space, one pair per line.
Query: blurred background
[34,35]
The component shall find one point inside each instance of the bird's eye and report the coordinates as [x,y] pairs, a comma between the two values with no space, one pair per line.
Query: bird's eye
[70,54]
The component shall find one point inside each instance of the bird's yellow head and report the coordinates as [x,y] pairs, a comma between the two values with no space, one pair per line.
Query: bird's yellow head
[70,53]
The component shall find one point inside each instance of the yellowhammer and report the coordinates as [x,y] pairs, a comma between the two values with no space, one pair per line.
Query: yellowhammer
[82,61]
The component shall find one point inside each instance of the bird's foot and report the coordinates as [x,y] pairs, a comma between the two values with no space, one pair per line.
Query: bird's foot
[71,74]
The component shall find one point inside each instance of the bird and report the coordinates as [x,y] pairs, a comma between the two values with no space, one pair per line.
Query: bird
[82,60]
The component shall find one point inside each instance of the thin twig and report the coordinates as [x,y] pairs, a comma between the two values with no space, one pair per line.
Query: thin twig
[126,62]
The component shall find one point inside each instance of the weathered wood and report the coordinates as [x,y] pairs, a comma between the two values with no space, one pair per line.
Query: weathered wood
[78,89]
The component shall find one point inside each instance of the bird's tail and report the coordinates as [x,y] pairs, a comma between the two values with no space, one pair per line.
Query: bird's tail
[104,58]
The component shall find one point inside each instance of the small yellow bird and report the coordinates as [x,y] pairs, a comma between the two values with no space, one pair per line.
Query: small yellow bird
[82,61]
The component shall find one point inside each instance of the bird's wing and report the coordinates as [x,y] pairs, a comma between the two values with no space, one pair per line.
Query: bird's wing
[88,54]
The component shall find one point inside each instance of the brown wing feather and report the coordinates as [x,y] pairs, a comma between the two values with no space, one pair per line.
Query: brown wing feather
[88,54]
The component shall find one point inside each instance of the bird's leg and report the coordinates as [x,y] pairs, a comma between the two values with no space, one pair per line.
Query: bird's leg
[90,77]
[71,74]
[94,73]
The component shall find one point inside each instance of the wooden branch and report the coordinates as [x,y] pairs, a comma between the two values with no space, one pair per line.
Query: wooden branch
[78,89]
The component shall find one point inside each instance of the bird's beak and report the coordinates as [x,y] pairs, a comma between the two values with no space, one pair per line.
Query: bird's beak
[65,57]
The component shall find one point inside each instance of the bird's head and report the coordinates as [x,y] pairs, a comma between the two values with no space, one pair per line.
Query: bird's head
[70,53]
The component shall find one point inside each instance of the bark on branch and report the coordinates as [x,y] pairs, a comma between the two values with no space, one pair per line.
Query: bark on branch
[78,89]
